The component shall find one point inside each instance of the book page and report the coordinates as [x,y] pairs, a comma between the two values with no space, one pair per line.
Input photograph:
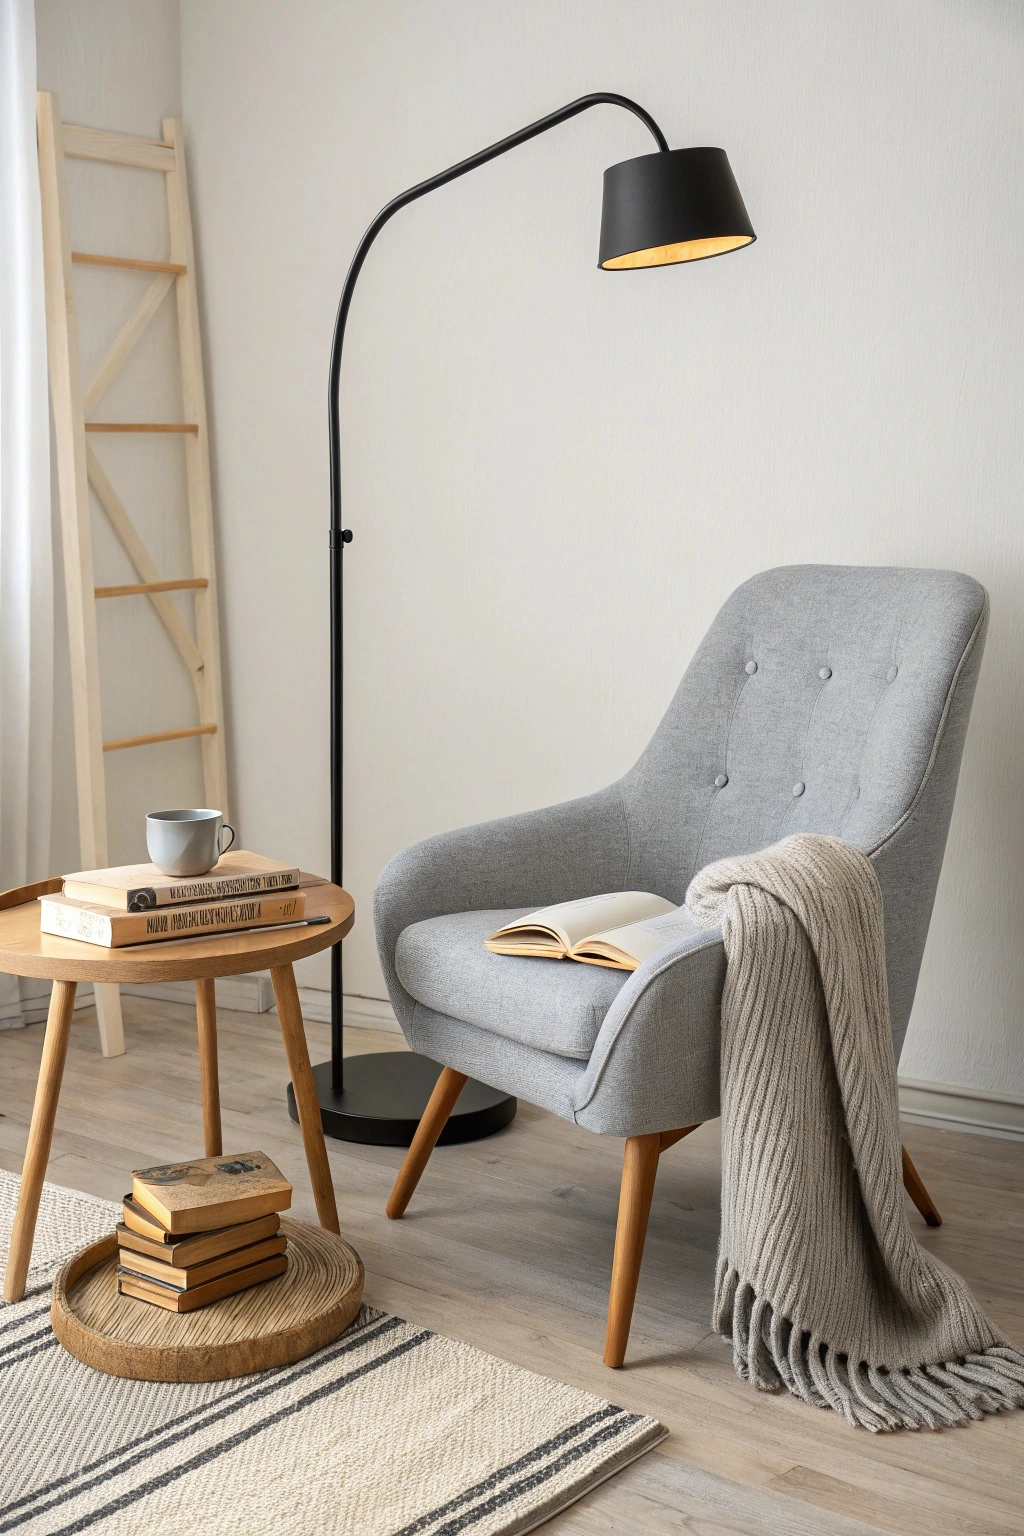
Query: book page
[572,921]
[639,941]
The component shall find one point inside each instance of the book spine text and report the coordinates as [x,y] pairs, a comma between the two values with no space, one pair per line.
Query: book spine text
[223,887]
[121,928]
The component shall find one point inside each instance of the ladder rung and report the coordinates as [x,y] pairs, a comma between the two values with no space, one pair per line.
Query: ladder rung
[118,148]
[146,741]
[198,583]
[141,426]
[86,258]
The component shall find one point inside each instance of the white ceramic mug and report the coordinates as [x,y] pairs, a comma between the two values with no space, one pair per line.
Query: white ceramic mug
[186,842]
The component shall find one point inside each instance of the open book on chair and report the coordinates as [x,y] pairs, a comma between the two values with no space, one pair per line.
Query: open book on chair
[620,930]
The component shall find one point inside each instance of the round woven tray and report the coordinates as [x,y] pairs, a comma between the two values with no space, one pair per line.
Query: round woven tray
[270,1324]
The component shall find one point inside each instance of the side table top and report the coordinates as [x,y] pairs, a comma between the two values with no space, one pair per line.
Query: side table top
[25,951]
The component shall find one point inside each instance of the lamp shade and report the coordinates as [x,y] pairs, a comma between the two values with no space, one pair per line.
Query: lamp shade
[674,205]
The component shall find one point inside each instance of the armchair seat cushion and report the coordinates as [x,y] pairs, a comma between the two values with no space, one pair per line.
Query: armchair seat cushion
[552,1005]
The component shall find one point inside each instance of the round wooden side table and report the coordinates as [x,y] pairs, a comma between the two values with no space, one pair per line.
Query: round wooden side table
[24,951]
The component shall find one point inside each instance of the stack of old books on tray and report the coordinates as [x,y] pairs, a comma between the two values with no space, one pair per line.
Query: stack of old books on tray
[196,1232]
[136,904]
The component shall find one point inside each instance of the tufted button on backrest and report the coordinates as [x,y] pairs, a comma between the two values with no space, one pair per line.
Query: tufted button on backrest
[840,747]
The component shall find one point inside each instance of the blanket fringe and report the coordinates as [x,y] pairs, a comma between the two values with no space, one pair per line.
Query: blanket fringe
[771,1353]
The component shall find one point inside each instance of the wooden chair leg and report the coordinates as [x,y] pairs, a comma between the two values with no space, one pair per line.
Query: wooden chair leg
[294,1035]
[917,1192]
[44,1111]
[669,1138]
[639,1170]
[435,1118]
[206,1019]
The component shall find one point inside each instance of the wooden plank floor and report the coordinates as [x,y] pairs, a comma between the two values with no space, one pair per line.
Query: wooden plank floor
[507,1244]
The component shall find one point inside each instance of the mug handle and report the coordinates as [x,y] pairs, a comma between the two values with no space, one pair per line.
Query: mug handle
[227,827]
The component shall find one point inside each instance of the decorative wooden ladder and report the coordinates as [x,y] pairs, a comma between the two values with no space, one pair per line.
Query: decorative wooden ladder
[78,468]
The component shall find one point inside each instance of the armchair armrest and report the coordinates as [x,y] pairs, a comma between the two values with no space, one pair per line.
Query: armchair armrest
[655,1064]
[578,848]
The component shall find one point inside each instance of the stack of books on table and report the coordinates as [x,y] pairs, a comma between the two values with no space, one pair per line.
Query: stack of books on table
[136,904]
[195,1232]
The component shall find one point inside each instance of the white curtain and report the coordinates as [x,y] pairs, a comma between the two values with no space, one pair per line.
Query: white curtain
[26,552]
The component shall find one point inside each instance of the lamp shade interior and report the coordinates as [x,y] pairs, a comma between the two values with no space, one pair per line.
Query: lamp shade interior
[675,205]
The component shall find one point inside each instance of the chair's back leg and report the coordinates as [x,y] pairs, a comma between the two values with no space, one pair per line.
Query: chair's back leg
[639,1170]
[435,1118]
[917,1192]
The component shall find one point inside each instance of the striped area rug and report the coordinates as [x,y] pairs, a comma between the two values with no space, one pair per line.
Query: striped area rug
[390,1431]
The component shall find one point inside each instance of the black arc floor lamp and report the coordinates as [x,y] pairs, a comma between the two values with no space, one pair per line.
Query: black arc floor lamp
[671,206]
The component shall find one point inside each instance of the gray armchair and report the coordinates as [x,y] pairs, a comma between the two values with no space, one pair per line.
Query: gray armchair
[828,699]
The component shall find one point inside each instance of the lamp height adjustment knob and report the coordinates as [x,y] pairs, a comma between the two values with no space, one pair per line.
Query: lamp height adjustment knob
[340,536]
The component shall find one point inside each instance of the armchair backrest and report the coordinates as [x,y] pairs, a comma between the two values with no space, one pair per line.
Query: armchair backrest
[822,699]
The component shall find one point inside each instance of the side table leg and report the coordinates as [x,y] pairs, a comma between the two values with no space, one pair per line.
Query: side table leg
[107,997]
[44,1111]
[306,1102]
[206,1019]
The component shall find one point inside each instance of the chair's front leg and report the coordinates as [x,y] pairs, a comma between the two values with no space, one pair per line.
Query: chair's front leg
[434,1119]
[639,1170]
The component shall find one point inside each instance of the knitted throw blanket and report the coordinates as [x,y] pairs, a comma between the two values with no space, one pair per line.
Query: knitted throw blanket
[821,1285]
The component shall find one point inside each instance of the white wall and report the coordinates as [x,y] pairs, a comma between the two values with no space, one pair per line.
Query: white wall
[555,476]
[115,64]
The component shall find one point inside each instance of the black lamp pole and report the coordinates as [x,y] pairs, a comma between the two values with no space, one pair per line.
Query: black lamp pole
[662,208]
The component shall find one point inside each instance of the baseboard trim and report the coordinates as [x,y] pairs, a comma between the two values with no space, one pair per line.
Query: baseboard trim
[360,1012]
[250,993]
[254,993]
[963,1109]
[35,1005]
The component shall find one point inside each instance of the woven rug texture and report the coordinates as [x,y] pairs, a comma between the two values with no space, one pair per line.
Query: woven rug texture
[391,1431]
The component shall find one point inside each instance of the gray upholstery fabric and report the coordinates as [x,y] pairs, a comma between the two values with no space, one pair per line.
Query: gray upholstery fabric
[556,1007]
[830,699]
[541,1077]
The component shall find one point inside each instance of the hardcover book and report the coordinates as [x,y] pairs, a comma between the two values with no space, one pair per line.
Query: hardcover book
[187,1279]
[139,1220]
[175,1300]
[139,887]
[619,930]
[146,1236]
[93,924]
[212,1191]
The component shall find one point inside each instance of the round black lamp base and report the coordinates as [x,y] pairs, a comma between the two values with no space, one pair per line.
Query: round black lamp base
[385,1095]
